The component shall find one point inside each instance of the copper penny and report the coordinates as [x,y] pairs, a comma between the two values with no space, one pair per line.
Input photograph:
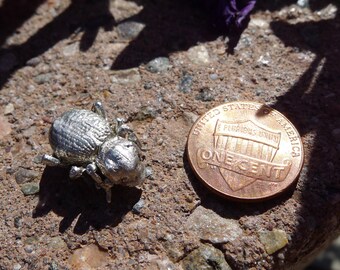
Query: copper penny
[245,151]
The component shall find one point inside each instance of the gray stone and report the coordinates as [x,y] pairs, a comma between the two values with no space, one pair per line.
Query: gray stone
[205,94]
[7,62]
[18,222]
[17,266]
[199,55]
[303,3]
[57,243]
[30,188]
[205,257]
[29,248]
[273,240]
[186,83]
[148,85]
[127,76]
[158,64]
[43,78]
[336,134]
[71,49]
[163,264]
[213,76]
[146,112]
[258,91]
[137,208]
[258,23]
[53,266]
[9,108]
[130,30]
[148,172]
[23,176]
[211,227]
[33,62]
[264,60]
[190,117]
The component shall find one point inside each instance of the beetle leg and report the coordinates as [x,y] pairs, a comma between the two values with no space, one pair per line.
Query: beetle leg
[91,170]
[108,194]
[99,109]
[50,161]
[76,172]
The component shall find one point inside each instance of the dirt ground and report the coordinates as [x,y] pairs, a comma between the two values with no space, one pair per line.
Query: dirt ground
[56,55]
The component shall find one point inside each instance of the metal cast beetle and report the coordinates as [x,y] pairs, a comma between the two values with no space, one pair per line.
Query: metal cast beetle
[84,140]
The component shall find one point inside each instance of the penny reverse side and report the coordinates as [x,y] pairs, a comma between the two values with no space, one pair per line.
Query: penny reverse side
[245,151]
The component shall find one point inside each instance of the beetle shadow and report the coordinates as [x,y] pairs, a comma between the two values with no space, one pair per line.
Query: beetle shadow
[79,198]
[227,208]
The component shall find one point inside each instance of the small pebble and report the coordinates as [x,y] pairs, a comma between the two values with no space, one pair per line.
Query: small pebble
[23,176]
[53,266]
[258,92]
[190,117]
[71,49]
[9,109]
[33,62]
[56,243]
[158,64]
[88,257]
[199,55]
[186,83]
[273,240]
[205,257]
[37,159]
[17,266]
[303,3]
[5,127]
[138,206]
[17,222]
[127,76]
[148,172]
[205,94]
[146,112]
[213,76]
[29,248]
[264,60]
[43,78]
[258,23]
[148,85]
[130,30]
[30,188]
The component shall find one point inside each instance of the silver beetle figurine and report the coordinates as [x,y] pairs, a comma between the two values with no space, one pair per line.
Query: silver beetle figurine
[84,140]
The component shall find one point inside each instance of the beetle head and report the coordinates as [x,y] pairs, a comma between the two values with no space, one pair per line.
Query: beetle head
[119,160]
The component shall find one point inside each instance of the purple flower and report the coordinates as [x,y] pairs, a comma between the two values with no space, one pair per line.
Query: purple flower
[236,13]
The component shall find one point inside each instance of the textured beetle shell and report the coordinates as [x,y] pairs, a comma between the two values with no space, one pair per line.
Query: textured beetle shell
[77,135]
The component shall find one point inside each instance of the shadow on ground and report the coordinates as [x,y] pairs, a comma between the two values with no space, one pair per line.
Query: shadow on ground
[86,16]
[312,104]
[80,200]
[170,26]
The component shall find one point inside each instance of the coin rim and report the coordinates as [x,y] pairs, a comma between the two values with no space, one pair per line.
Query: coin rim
[236,198]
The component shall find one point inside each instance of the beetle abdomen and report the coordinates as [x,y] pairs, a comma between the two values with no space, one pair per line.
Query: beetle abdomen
[77,135]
